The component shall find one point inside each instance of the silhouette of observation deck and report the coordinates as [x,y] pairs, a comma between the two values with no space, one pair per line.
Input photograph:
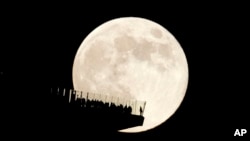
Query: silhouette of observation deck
[100,110]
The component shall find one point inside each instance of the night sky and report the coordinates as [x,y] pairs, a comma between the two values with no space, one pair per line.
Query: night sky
[39,45]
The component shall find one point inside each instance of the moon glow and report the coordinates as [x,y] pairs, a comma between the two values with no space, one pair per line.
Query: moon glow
[135,58]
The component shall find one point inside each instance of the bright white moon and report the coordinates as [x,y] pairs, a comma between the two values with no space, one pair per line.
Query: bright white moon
[134,58]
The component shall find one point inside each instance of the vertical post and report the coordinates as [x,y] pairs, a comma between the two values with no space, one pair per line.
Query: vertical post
[87,98]
[136,112]
[117,101]
[70,91]
[58,91]
[143,107]
[75,95]
[64,92]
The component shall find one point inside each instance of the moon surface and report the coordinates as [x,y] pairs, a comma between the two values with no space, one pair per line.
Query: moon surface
[134,58]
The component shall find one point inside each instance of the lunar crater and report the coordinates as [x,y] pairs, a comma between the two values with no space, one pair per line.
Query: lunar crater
[156,33]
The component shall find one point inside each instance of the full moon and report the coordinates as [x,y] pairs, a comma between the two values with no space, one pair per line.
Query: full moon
[134,58]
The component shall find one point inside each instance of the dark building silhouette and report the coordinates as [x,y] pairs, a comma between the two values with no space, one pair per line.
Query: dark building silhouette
[98,112]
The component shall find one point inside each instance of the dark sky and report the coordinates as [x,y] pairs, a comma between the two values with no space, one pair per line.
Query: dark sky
[39,44]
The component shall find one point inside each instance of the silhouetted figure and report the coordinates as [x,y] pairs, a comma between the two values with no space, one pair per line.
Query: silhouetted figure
[120,108]
[112,107]
[127,109]
[106,107]
[141,111]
